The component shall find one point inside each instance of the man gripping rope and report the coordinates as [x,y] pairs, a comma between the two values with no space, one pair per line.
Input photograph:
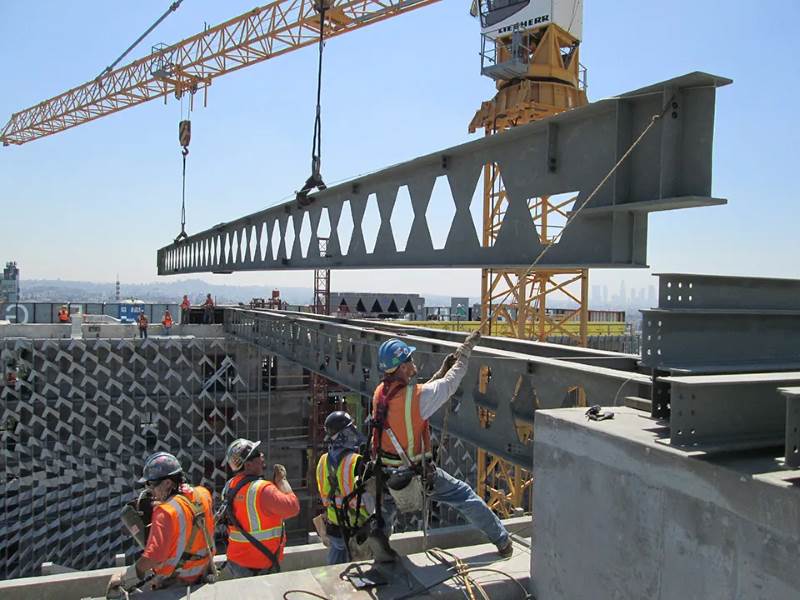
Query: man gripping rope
[401,442]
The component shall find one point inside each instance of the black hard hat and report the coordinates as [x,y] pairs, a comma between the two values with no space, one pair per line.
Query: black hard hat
[336,422]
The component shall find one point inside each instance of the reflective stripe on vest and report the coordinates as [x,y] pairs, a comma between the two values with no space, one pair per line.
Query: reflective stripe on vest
[180,507]
[391,459]
[264,526]
[346,481]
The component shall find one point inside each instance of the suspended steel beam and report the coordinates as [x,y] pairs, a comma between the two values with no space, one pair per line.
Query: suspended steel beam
[192,64]
[522,376]
[568,153]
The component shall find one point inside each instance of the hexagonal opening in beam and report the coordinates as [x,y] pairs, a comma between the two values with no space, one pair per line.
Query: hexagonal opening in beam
[440,212]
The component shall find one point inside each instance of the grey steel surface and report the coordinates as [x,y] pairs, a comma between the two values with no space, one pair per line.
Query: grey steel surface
[792,450]
[716,413]
[671,168]
[703,340]
[346,352]
[681,290]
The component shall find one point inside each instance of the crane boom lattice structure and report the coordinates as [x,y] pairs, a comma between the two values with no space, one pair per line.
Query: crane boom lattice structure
[192,64]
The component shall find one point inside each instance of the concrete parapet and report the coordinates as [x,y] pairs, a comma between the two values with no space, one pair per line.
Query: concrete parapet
[619,515]
[82,584]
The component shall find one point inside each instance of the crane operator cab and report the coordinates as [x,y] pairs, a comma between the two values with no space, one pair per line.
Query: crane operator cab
[512,30]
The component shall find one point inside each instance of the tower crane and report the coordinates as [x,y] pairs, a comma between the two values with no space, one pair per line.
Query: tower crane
[192,64]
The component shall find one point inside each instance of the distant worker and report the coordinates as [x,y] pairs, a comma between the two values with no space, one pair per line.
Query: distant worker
[180,545]
[167,322]
[339,481]
[63,314]
[185,306]
[255,509]
[143,323]
[401,437]
[208,310]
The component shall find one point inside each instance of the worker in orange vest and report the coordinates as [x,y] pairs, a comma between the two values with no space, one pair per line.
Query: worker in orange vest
[63,314]
[180,544]
[401,444]
[255,509]
[143,323]
[167,322]
[185,306]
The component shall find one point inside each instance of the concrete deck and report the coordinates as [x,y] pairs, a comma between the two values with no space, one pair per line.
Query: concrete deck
[619,515]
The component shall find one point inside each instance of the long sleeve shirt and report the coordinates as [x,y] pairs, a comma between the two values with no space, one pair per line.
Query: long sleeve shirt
[434,394]
[280,503]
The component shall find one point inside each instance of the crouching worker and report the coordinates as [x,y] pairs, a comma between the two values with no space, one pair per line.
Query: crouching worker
[402,446]
[340,480]
[255,509]
[180,544]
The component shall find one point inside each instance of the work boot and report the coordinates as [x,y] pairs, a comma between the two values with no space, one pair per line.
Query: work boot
[505,549]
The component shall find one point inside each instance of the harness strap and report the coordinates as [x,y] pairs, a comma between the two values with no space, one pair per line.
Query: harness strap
[275,565]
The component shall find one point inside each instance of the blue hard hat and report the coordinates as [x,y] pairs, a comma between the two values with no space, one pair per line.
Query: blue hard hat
[392,354]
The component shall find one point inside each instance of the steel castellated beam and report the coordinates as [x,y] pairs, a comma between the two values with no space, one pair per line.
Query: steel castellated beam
[523,376]
[573,151]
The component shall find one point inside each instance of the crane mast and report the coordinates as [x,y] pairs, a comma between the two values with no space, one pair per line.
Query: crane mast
[531,49]
[192,64]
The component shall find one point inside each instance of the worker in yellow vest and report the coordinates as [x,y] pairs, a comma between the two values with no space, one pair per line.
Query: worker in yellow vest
[255,509]
[401,441]
[339,480]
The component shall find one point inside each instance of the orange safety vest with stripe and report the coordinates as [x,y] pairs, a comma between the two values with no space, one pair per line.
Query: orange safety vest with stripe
[404,419]
[63,315]
[189,553]
[167,321]
[345,484]
[249,509]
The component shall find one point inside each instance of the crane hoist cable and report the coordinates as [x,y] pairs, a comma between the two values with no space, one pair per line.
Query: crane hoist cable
[184,137]
[315,180]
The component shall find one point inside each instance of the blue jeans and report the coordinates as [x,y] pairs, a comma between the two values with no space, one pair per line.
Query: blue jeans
[458,495]
[337,553]
[237,571]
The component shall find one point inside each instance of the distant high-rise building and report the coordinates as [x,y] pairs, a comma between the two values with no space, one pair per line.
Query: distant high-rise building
[116,291]
[651,296]
[9,284]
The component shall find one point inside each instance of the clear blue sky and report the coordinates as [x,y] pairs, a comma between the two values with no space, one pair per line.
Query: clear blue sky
[101,198]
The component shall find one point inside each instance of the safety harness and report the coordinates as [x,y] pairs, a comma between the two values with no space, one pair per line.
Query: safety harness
[275,566]
[348,529]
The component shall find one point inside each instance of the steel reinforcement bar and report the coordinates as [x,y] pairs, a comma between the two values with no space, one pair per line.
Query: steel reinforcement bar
[510,378]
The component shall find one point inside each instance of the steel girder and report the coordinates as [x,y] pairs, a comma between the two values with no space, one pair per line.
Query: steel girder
[720,413]
[519,382]
[715,324]
[568,153]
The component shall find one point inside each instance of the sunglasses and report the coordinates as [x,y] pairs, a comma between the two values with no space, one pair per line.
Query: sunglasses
[153,483]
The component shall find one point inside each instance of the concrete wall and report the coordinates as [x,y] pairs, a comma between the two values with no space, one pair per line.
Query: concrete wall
[618,515]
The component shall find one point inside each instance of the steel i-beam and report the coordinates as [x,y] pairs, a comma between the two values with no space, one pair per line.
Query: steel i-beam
[520,379]
[569,153]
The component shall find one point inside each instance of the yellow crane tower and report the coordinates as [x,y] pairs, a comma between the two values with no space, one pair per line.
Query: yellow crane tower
[531,49]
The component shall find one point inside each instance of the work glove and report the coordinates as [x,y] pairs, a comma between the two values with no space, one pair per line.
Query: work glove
[466,348]
[279,478]
[447,364]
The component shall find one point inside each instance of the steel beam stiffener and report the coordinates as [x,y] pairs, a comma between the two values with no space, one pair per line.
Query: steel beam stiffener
[569,153]
[519,382]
